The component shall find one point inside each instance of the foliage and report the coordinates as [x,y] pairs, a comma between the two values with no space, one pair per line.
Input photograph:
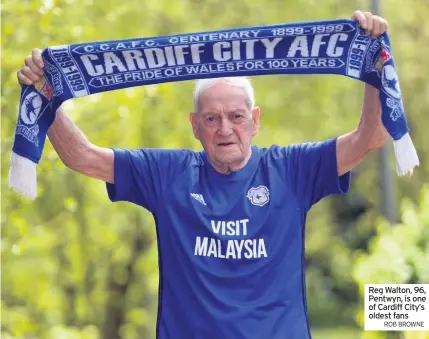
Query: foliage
[406,246]
[75,265]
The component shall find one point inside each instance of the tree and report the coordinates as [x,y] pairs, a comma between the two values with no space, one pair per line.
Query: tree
[74,263]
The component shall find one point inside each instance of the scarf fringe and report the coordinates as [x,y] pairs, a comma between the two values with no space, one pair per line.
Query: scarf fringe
[23,176]
[406,155]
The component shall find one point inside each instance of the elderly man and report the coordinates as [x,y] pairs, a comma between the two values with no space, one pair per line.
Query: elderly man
[230,219]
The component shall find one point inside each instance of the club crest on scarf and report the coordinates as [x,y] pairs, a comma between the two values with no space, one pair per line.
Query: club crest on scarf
[379,60]
[390,83]
[389,80]
[31,109]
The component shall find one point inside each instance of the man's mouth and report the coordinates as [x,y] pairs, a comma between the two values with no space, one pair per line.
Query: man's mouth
[225,144]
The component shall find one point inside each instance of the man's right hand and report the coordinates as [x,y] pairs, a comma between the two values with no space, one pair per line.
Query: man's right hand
[32,70]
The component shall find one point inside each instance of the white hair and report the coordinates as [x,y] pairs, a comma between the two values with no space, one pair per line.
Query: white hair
[240,82]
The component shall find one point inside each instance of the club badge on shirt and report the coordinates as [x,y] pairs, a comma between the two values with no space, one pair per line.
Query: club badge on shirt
[258,196]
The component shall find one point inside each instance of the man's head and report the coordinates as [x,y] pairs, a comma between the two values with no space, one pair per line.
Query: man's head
[225,120]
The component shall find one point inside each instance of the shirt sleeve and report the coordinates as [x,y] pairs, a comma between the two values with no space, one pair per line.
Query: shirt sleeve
[313,173]
[142,175]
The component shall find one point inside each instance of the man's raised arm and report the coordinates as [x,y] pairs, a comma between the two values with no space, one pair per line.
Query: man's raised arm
[370,135]
[70,143]
[77,152]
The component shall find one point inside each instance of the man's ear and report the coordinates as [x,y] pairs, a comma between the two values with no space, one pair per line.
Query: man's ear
[193,121]
[255,117]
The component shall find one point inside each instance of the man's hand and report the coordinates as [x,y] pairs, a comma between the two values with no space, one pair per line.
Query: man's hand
[373,24]
[32,71]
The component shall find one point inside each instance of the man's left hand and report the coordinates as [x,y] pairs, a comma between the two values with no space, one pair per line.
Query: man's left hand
[373,24]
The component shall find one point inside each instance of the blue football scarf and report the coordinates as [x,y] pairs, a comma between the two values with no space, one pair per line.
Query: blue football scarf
[324,47]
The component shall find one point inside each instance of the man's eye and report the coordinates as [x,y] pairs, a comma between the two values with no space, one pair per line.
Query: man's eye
[210,118]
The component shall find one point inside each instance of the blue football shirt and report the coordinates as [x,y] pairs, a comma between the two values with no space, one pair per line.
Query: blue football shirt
[231,247]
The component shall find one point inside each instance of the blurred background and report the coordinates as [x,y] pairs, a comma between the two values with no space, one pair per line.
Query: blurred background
[75,265]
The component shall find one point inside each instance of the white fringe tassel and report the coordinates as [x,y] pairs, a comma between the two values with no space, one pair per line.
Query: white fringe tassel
[406,155]
[23,176]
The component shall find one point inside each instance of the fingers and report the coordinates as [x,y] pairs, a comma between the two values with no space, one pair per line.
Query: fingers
[372,24]
[29,74]
[360,17]
[380,26]
[375,32]
[29,62]
[23,80]
[369,22]
[37,57]
[32,71]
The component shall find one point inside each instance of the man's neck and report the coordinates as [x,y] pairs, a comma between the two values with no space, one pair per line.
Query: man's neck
[234,167]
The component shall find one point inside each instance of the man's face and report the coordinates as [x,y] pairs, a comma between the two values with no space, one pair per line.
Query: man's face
[225,124]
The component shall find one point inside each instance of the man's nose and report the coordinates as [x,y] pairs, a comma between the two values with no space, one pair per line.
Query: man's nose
[225,127]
